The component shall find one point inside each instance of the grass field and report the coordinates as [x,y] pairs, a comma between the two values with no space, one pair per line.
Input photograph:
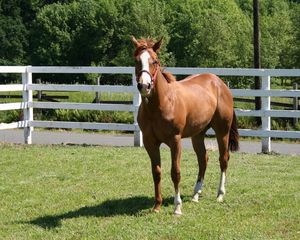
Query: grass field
[85,192]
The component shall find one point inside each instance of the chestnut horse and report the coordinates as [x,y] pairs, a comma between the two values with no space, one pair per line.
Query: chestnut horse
[172,110]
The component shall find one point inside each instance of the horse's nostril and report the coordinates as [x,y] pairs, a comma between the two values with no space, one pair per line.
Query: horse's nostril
[149,86]
[139,86]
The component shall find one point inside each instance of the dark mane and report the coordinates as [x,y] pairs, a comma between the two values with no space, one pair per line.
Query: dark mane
[169,76]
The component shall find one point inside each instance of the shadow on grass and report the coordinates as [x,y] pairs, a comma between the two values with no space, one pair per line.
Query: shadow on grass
[129,206]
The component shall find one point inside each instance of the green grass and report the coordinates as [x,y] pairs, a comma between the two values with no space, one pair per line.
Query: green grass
[77,192]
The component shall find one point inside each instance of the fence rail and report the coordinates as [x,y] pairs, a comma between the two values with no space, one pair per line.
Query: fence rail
[27,105]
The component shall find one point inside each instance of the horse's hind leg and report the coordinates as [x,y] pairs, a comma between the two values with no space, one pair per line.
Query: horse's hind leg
[199,148]
[223,158]
[175,146]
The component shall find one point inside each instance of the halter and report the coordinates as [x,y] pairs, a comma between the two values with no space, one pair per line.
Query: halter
[154,77]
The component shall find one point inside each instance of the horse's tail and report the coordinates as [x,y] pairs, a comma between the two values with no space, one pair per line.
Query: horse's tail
[234,135]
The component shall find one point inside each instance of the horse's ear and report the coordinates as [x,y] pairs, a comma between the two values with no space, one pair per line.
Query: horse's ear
[157,45]
[135,42]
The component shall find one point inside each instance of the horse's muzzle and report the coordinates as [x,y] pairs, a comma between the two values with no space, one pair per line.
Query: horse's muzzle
[141,87]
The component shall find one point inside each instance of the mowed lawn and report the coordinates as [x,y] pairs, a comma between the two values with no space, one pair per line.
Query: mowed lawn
[90,192]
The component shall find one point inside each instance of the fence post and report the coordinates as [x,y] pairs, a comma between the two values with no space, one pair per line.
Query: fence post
[266,120]
[295,104]
[138,136]
[28,110]
[39,93]
[98,93]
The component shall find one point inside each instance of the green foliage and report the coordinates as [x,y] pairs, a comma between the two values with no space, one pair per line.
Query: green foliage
[78,33]
[197,33]
[145,18]
[10,116]
[279,32]
[295,46]
[210,34]
[92,116]
[14,35]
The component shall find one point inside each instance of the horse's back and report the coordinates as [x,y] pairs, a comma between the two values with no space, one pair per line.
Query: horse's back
[206,97]
[201,88]
[207,83]
[202,80]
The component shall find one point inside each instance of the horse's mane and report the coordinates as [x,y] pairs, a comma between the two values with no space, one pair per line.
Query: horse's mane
[144,44]
[169,76]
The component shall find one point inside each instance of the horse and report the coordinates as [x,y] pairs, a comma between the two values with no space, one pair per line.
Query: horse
[171,110]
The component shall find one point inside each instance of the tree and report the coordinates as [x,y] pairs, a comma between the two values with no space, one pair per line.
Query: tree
[78,33]
[199,33]
[13,38]
[210,34]
[278,32]
[290,58]
[296,19]
[13,34]
[145,18]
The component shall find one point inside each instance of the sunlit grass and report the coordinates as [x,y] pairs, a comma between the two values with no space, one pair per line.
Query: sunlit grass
[76,192]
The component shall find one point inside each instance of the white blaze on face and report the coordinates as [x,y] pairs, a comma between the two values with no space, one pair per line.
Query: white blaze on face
[145,77]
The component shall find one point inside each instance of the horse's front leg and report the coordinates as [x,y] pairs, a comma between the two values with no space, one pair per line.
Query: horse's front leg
[199,148]
[154,154]
[175,172]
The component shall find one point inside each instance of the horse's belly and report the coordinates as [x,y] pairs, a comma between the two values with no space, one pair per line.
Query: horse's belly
[194,128]
[197,120]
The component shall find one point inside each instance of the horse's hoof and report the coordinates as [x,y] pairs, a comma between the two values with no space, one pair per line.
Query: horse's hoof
[220,198]
[155,210]
[195,198]
[178,211]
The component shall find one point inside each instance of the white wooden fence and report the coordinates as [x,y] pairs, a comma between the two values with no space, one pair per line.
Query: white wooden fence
[27,105]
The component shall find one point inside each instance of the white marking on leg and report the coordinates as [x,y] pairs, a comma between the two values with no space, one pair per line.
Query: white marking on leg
[197,190]
[221,191]
[177,203]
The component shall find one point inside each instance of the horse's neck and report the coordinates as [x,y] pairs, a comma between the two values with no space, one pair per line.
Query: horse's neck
[161,92]
[162,88]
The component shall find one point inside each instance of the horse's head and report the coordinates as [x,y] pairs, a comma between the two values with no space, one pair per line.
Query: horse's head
[147,64]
